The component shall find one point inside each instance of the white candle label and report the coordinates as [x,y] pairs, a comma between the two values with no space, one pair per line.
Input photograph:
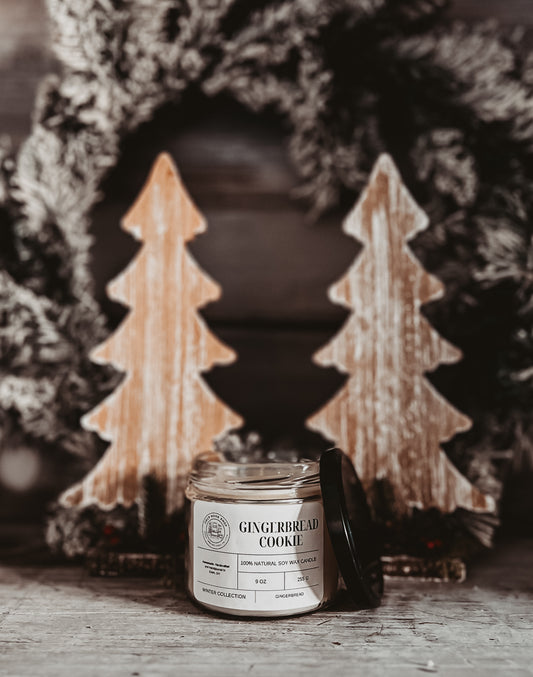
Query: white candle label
[258,557]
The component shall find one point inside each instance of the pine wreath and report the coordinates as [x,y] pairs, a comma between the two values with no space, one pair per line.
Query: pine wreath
[452,103]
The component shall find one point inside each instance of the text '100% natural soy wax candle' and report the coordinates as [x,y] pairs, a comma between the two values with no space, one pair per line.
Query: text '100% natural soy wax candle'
[269,539]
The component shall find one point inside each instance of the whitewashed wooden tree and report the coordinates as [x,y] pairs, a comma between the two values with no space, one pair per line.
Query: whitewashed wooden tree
[163,413]
[388,417]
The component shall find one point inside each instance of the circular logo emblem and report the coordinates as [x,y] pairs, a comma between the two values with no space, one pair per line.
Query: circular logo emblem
[215,530]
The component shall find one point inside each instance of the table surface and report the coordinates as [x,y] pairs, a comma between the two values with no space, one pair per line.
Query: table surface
[60,621]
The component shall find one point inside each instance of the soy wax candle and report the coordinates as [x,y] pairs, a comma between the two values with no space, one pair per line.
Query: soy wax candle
[258,541]
[269,539]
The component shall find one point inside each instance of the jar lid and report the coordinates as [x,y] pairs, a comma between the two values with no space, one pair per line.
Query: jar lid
[349,523]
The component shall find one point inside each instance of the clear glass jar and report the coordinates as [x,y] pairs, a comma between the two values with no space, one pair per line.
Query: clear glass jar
[258,543]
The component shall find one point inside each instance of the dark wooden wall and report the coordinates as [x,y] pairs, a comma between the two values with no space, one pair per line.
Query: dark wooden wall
[273,265]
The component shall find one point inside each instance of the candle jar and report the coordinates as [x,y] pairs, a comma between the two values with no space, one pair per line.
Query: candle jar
[258,542]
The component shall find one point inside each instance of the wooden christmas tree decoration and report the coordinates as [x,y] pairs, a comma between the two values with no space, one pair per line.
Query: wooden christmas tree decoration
[388,417]
[163,413]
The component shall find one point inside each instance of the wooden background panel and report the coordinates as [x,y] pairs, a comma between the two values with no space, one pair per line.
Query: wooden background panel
[274,383]
[24,60]
[507,11]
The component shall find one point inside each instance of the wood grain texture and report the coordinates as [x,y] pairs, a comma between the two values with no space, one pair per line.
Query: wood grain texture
[388,417]
[163,413]
[60,622]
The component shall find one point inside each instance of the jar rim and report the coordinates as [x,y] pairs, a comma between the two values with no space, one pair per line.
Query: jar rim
[216,469]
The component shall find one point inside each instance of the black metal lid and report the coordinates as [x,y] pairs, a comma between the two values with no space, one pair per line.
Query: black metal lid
[355,542]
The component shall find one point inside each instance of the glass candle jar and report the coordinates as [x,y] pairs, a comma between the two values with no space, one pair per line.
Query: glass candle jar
[258,544]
